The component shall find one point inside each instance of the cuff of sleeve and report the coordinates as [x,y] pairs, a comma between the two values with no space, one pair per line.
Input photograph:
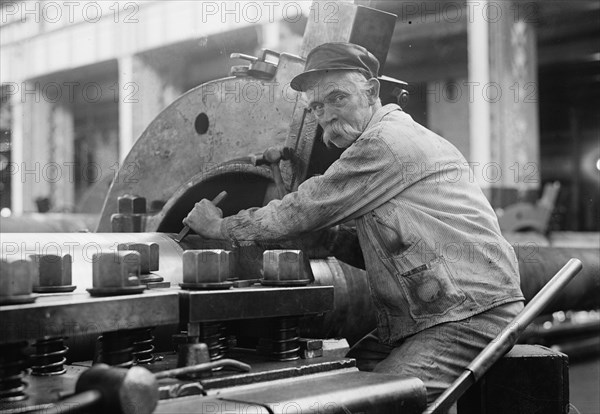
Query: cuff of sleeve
[225,230]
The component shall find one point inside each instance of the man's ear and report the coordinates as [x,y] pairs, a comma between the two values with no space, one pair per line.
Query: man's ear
[373,92]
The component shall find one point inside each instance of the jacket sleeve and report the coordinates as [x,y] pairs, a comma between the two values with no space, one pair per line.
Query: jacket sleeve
[364,177]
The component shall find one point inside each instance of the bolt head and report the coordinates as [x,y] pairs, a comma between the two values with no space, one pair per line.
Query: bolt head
[16,277]
[205,266]
[54,270]
[116,269]
[131,204]
[148,255]
[127,223]
[285,265]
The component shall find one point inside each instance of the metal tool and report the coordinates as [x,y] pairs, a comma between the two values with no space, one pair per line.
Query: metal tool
[185,231]
[206,366]
[108,389]
[505,339]
[271,157]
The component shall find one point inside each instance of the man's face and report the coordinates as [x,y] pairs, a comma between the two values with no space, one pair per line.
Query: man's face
[342,107]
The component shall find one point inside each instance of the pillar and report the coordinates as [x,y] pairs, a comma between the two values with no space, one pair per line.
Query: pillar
[503,111]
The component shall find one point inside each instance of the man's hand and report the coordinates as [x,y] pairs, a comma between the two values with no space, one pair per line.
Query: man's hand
[205,219]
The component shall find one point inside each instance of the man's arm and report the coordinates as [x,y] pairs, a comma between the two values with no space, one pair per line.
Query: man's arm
[366,175]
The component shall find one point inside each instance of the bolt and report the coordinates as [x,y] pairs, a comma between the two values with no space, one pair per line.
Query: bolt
[54,270]
[205,266]
[127,223]
[148,253]
[131,204]
[231,259]
[16,277]
[116,269]
[282,265]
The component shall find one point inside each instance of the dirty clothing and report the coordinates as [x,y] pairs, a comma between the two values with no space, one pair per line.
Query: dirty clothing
[438,355]
[432,246]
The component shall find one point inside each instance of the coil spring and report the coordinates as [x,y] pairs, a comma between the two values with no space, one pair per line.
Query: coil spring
[13,364]
[214,335]
[143,346]
[49,357]
[283,344]
[116,349]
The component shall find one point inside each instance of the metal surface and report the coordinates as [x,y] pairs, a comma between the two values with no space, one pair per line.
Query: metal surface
[79,314]
[122,391]
[83,246]
[54,273]
[254,303]
[283,267]
[537,264]
[203,268]
[17,280]
[345,392]
[207,366]
[49,223]
[505,339]
[209,125]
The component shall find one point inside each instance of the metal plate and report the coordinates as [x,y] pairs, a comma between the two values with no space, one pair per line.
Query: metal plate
[255,302]
[74,314]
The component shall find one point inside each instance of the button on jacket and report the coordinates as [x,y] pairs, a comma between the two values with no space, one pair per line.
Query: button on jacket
[431,241]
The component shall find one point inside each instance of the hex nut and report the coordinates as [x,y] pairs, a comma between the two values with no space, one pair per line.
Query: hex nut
[205,266]
[116,269]
[53,270]
[232,260]
[127,223]
[16,277]
[148,252]
[131,204]
[283,265]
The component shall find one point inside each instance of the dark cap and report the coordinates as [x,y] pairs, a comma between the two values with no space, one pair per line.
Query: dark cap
[337,56]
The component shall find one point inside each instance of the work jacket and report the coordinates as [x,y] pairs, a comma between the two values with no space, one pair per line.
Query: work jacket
[431,241]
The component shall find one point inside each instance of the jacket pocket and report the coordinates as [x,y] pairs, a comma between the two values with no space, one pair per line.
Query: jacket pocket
[430,289]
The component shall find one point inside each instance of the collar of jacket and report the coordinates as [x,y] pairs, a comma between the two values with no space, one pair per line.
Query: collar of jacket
[381,112]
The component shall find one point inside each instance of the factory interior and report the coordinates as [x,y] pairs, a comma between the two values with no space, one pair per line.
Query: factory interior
[117,117]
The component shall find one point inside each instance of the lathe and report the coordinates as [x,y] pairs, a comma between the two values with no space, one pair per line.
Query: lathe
[225,328]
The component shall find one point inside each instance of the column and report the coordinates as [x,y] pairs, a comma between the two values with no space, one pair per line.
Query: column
[504,128]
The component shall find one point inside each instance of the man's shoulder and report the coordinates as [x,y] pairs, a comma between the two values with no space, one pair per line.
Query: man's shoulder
[390,127]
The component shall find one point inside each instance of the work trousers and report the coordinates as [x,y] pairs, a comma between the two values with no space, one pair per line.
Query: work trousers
[437,355]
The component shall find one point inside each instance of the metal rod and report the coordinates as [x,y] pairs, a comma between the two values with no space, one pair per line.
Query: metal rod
[186,229]
[505,340]
[207,366]
[71,405]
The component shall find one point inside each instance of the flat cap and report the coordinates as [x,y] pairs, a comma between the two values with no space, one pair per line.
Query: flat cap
[336,56]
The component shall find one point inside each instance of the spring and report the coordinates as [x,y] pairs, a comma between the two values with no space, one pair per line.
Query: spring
[13,364]
[284,345]
[143,346]
[49,357]
[116,348]
[213,334]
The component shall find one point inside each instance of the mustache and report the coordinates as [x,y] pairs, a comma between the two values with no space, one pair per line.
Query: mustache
[335,129]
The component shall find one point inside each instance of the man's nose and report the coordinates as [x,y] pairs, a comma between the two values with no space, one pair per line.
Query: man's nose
[329,114]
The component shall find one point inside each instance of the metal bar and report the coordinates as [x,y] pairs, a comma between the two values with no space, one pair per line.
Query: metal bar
[79,314]
[505,340]
[207,366]
[76,404]
[254,303]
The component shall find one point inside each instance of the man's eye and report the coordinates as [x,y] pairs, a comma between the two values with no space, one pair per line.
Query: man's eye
[338,98]
[316,107]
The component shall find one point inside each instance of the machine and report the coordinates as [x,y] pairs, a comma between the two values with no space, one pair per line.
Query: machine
[224,328]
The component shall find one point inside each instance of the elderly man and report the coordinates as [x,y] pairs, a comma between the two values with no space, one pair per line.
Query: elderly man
[442,278]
